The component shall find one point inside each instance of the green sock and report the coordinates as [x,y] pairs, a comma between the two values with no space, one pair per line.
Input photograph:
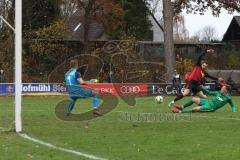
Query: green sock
[187,111]
[187,104]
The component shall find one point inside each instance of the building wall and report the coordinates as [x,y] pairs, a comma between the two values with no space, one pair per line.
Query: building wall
[158,35]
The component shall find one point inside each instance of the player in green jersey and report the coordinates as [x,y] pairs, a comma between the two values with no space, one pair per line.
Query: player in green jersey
[208,105]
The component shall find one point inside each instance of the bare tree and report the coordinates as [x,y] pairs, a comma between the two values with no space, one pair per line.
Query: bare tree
[68,7]
[7,37]
[6,8]
[195,37]
[201,6]
[154,5]
[208,34]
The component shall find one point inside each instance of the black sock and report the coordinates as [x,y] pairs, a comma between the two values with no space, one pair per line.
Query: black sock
[180,96]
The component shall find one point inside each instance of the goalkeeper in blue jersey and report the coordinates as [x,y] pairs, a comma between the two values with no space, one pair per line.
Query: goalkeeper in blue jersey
[75,87]
[208,105]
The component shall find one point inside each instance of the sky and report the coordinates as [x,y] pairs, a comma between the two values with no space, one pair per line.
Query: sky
[195,22]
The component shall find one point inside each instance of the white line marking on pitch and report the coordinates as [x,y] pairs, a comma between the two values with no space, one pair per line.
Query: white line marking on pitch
[92,157]
[237,119]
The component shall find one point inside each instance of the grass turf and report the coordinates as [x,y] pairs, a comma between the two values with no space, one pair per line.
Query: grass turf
[204,136]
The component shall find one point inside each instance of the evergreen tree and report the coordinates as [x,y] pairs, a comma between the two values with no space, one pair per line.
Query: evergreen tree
[136,18]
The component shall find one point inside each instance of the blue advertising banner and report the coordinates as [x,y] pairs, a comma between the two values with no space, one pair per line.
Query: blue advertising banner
[9,88]
[123,88]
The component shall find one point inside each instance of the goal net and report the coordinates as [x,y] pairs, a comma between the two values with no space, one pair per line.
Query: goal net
[11,94]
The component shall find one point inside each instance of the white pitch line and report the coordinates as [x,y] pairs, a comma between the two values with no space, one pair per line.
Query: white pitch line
[229,118]
[92,157]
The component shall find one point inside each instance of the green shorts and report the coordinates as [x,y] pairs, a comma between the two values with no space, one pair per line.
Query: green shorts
[205,106]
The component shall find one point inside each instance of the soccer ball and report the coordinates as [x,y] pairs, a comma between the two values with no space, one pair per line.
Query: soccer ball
[159,99]
[93,81]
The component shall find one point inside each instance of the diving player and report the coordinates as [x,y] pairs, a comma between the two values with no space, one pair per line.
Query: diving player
[218,101]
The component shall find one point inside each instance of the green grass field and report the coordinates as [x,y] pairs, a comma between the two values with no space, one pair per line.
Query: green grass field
[205,136]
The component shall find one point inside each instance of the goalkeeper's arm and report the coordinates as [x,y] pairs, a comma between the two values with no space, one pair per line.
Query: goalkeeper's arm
[81,81]
[233,106]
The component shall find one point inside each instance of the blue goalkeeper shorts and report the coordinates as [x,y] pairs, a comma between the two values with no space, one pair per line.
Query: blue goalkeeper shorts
[79,92]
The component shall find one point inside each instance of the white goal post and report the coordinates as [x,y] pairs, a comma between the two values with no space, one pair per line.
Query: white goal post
[18,65]
[18,62]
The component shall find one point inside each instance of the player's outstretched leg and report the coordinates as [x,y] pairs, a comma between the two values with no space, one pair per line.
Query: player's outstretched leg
[180,109]
[71,105]
[96,103]
[204,108]
[179,96]
[195,109]
[189,103]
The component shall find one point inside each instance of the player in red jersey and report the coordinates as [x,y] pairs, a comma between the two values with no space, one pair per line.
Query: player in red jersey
[195,78]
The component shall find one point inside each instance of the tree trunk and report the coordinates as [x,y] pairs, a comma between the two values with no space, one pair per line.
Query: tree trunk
[87,22]
[89,10]
[168,39]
